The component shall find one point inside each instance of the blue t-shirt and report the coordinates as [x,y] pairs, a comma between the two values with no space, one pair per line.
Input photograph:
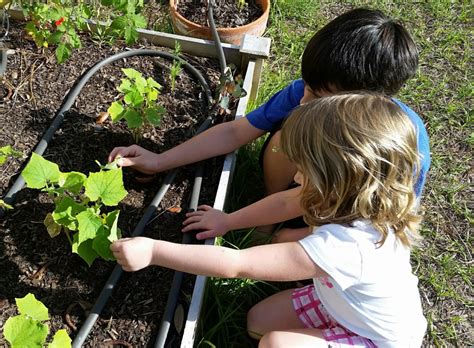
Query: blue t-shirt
[270,116]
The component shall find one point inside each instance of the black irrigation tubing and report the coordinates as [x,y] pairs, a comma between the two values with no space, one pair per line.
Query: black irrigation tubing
[178,277]
[215,36]
[72,95]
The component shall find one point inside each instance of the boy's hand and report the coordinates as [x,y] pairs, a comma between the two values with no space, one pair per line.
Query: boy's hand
[214,222]
[133,254]
[136,157]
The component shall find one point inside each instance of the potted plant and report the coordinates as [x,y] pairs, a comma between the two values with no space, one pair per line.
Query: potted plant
[233,35]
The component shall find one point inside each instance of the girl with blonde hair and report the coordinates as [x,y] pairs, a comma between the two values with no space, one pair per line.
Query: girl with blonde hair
[357,161]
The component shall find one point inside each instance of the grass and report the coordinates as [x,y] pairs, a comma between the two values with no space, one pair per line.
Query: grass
[442,95]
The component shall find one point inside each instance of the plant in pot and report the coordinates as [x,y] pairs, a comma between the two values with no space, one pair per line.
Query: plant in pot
[190,18]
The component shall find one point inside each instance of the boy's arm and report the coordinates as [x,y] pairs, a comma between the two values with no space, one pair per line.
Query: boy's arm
[280,206]
[274,262]
[218,140]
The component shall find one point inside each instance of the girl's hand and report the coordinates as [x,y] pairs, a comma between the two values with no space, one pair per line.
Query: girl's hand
[214,222]
[133,254]
[136,157]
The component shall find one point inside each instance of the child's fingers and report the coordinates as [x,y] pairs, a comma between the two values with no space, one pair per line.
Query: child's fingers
[191,220]
[195,213]
[204,207]
[193,226]
[206,234]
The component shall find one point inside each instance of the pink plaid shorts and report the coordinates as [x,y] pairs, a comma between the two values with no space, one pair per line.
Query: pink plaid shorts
[312,314]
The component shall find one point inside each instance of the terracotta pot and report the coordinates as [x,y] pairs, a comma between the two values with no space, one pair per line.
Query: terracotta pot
[184,26]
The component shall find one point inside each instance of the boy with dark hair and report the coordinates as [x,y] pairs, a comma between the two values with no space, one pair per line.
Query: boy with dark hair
[360,50]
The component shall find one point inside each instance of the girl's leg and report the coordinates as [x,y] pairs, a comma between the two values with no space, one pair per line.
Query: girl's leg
[301,338]
[278,171]
[275,313]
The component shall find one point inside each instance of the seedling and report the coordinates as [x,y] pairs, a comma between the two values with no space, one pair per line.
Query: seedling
[138,102]
[28,329]
[5,153]
[241,4]
[79,202]
[176,68]
[229,90]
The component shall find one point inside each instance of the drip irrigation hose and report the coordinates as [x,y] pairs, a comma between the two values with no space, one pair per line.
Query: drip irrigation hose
[215,36]
[178,277]
[72,95]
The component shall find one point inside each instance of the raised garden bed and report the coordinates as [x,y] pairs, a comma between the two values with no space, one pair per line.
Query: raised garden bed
[30,261]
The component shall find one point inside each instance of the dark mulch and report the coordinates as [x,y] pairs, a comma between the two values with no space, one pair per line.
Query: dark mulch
[30,261]
[227,13]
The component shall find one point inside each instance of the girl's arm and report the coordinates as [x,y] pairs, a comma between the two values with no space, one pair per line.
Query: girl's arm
[274,262]
[275,208]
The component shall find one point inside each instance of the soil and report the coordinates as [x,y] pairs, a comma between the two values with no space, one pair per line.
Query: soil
[227,13]
[30,261]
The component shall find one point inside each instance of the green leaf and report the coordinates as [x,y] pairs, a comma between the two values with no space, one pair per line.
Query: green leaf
[8,151]
[60,340]
[40,172]
[152,95]
[115,111]
[88,225]
[133,118]
[52,227]
[152,83]
[106,186]
[153,116]
[84,250]
[125,86]
[131,35]
[72,181]
[132,73]
[66,212]
[119,23]
[112,221]
[55,38]
[139,21]
[101,244]
[134,98]
[4,205]
[31,307]
[63,52]
[21,331]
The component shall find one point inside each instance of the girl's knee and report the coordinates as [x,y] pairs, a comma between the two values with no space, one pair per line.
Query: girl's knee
[272,339]
[254,320]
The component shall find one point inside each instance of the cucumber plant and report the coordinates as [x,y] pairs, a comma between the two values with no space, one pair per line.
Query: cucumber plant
[80,202]
[28,329]
[137,104]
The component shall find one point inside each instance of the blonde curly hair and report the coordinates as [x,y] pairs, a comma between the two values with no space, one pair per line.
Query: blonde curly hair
[358,156]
